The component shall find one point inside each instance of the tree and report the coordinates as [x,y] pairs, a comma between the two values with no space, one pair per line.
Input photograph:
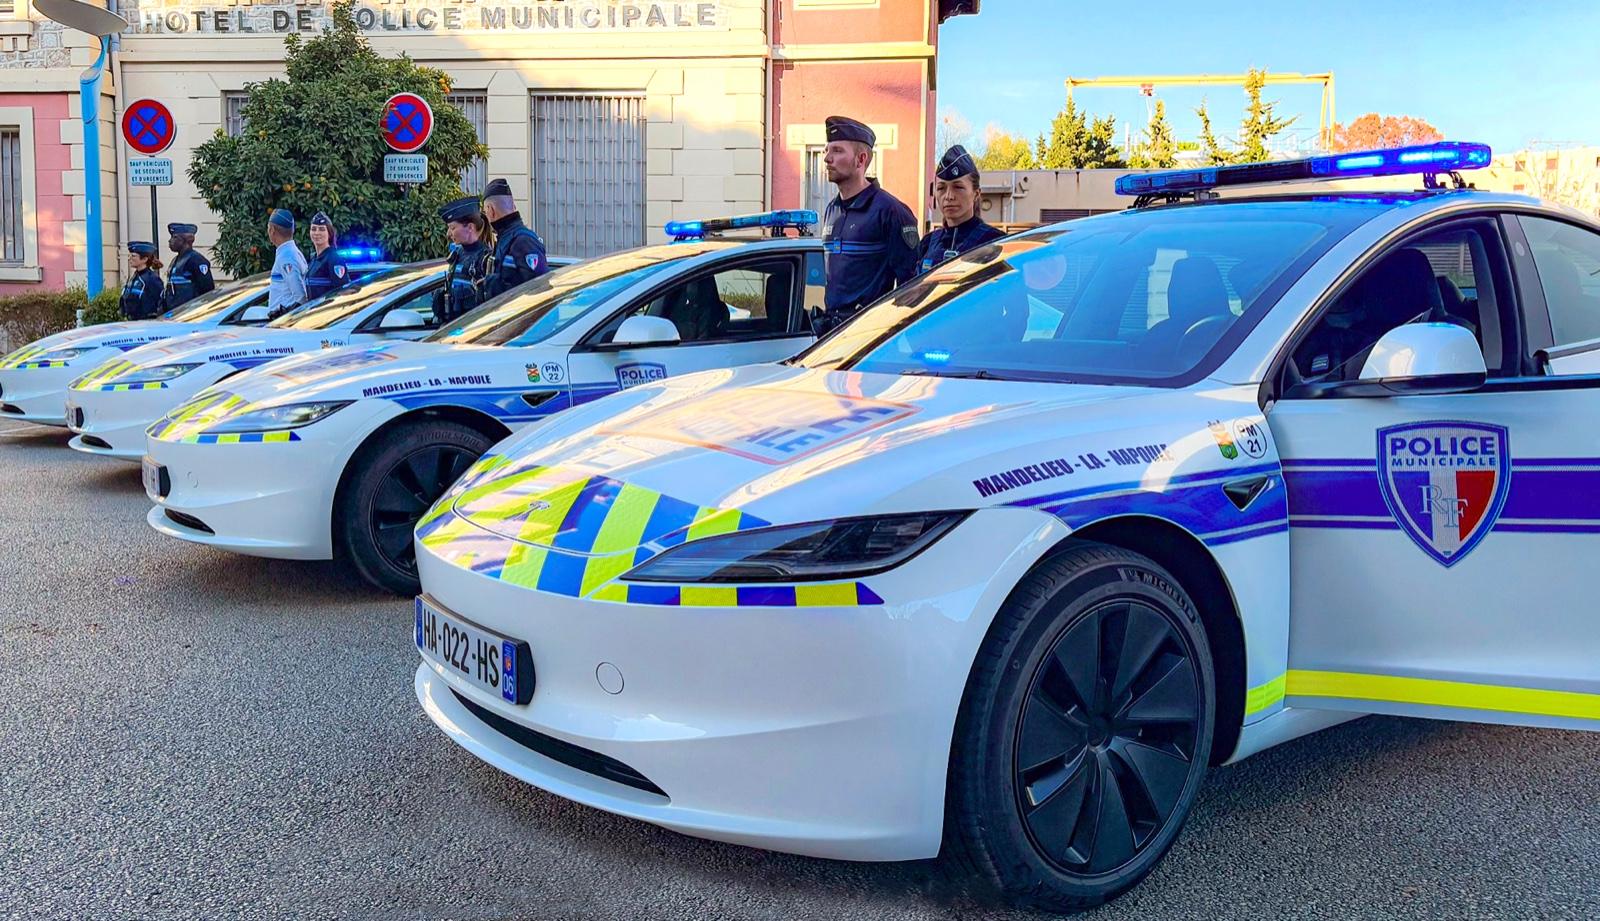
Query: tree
[314,144]
[1100,149]
[1373,131]
[1156,148]
[1003,151]
[1212,153]
[953,129]
[1260,123]
[1068,138]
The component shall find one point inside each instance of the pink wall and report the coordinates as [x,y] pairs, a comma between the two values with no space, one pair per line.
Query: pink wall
[889,21]
[51,159]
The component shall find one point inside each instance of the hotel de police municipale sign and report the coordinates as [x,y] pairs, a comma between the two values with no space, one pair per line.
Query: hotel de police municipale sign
[221,17]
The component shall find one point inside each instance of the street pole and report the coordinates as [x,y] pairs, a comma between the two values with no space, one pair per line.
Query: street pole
[89,96]
[153,222]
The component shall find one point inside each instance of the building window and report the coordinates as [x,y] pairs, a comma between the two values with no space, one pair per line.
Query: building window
[475,106]
[588,172]
[1518,187]
[819,191]
[12,250]
[233,113]
[1552,163]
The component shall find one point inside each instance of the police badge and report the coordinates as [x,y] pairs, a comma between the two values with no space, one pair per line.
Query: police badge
[1445,483]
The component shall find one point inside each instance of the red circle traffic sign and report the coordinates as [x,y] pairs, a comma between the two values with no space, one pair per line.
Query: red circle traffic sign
[148,127]
[407,122]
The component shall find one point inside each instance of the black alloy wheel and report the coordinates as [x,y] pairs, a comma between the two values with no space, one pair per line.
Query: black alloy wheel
[408,490]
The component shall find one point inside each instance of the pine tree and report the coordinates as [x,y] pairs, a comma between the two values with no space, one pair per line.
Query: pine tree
[1260,124]
[1156,148]
[1100,149]
[1211,150]
[1068,139]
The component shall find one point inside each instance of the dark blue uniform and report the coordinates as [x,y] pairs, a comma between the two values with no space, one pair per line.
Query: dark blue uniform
[946,243]
[519,256]
[188,277]
[141,296]
[870,246]
[325,273]
[466,272]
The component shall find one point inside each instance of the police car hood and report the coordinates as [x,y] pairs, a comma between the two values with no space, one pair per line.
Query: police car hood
[357,371]
[120,336]
[212,345]
[779,444]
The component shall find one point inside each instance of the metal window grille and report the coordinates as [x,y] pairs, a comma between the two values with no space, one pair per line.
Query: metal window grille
[233,113]
[588,172]
[819,191]
[475,106]
[11,227]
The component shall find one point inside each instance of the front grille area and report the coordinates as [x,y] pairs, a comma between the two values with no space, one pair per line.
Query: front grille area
[9,408]
[94,441]
[189,521]
[77,422]
[571,755]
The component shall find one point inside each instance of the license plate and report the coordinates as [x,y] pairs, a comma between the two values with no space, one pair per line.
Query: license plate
[152,479]
[485,659]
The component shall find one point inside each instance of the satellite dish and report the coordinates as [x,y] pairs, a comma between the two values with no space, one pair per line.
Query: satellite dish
[85,17]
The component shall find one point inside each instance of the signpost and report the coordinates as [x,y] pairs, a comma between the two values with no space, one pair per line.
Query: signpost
[405,169]
[407,124]
[148,127]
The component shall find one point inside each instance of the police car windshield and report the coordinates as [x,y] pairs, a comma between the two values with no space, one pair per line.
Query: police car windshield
[543,307]
[353,298]
[215,303]
[1143,297]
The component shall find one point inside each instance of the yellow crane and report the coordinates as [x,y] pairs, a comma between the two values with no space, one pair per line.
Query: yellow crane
[1148,84]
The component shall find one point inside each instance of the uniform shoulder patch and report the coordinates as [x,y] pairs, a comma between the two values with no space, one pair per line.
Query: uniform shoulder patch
[908,232]
[205,269]
[338,270]
[532,259]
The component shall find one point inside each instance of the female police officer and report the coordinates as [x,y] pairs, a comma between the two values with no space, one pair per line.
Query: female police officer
[471,251]
[141,296]
[326,272]
[955,191]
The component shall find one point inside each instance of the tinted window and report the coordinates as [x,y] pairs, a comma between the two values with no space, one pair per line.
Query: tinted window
[352,299]
[749,301]
[219,301]
[1568,258]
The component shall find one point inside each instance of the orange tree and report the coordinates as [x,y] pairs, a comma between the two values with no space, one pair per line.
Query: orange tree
[313,142]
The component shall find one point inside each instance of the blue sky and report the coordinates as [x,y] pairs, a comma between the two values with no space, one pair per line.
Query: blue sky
[1504,73]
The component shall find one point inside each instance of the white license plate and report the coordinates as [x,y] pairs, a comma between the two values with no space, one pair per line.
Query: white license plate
[485,659]
[152,479]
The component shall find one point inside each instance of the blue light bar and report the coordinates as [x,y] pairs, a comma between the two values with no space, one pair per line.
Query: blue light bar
[1445,156]
[371,253]
[691,230]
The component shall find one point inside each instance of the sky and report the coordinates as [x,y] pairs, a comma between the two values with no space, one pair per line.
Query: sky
[1507,73]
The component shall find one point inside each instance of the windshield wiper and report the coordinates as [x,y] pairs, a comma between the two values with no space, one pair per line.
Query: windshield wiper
[980,374]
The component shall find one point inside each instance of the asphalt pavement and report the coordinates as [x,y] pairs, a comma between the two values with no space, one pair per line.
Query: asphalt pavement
[193,734]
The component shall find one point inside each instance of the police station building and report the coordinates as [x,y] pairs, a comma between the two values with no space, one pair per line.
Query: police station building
[609,117]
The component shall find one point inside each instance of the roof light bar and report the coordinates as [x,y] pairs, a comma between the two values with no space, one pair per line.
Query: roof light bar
[777,220]
[1443,157]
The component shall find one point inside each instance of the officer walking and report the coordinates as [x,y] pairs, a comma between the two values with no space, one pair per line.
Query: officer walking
[190,273]
[141,296]
[955,191]
[469,263]
[519,254]
[326,272]
[869,237]
[287,288]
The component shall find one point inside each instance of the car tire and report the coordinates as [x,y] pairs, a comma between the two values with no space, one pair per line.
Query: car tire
[1083,735]
[390,483]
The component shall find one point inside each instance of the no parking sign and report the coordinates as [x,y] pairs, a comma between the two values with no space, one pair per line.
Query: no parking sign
[407,122]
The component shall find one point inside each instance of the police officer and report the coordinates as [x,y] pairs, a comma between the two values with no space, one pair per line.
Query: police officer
[469,262]
[519,254]
[287,288]
[955,191]
[326,272]
[141,296]
[869,237]
[190,273]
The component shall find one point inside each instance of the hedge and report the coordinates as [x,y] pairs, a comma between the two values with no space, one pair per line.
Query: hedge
[26,317]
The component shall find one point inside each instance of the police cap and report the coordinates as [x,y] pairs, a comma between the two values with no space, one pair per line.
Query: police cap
[956,163]
[841,128]
[282,218]
[321,219]
[462,209]
[141,248]
[496,187]
[190,229]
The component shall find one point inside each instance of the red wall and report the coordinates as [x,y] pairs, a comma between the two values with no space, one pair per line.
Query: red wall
[52,209]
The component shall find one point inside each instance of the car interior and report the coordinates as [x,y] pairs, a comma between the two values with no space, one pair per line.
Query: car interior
[745,302]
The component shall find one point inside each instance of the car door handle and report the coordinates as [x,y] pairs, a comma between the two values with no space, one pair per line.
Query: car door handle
[1243,492]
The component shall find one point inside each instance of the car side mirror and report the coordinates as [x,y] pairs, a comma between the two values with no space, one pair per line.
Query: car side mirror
[401,318]
[256,313]
[1426,358]
[643,330]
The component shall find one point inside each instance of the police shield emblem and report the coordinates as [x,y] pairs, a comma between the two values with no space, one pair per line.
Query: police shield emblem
[1445,483]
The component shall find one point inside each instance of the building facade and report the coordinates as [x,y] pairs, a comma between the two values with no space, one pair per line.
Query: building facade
[609,117]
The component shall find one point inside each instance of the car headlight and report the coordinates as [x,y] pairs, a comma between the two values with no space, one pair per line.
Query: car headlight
[63,354]
[157,373]
[278,418]
[819,550]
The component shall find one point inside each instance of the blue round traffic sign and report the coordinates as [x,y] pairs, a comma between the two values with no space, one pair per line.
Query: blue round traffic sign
[148,127]
[407,122]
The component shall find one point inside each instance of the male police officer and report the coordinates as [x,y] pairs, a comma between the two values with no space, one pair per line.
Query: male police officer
[869,238]
[519,254]
[287,288]
[955,191]
[190,273]
[468,265]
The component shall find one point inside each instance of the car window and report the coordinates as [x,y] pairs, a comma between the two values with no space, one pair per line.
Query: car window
[1568,260]
[216,302]
[346,302]
[1442,277]
[420,301]
[744,302]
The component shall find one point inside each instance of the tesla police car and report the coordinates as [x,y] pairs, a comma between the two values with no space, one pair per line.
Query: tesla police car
[1000,568]
[34,378]
[341,452]
[111,406]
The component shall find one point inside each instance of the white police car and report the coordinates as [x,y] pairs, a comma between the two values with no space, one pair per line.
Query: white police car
[34,378]
[342,452]
[1004,565]
[111,406]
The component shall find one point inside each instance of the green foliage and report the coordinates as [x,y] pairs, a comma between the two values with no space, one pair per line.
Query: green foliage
[1068,136]
[1005,152]
[313,143]
[106,307]
[26,317]
[1100,149]
[1211,150]
[1156,148]
[1260,124]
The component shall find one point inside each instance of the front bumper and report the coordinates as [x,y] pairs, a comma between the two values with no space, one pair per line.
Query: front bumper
[815,730]
[114,421]
[37,395]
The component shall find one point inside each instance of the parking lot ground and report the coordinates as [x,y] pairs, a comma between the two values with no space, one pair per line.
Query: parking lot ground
[190,733]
